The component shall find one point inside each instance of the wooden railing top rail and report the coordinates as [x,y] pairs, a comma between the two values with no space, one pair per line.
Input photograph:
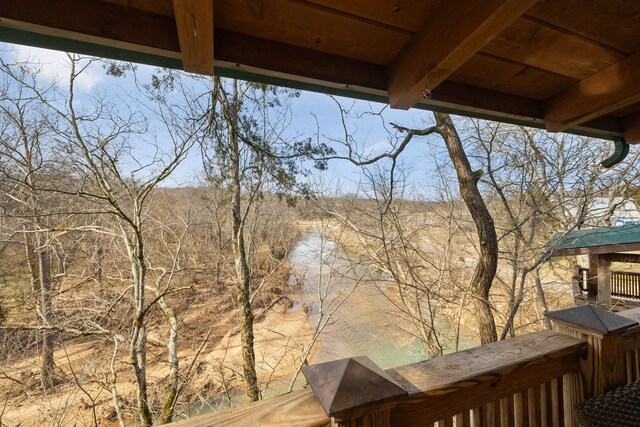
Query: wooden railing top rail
[298,408]
[436,388]
[488,364]
[450,384]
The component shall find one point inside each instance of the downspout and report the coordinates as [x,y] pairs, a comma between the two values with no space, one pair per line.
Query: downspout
[621,149]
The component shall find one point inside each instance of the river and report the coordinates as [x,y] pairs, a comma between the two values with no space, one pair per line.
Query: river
[366,324]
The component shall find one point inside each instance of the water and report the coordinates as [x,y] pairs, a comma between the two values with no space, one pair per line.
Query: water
[366,322]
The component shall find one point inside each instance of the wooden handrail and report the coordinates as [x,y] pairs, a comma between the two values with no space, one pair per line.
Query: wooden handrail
[533,379]
[298,408]
[450,385]
[441,388]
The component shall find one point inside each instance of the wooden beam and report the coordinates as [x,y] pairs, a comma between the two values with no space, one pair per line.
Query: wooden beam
[629,258]
[631,126]
[457,30]
[592,275]
[294,62]
[604,281]
[108,30]
[615,87]
[194,21]
[91,21]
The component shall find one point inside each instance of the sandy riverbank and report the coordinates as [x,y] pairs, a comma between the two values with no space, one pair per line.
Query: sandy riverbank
[81,395]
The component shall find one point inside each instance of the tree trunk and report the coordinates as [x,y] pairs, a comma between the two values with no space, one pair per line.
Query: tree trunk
[485,270]
[166,415]
[243,277]
[32,262]
[246,322]
[542,300]
[46,312]
[138,343]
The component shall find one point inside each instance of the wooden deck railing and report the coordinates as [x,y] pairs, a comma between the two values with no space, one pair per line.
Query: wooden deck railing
[625,284]
[532,380]
[512,382]
[631,347]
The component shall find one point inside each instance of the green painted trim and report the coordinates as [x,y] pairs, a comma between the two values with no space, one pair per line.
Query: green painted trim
[59,43]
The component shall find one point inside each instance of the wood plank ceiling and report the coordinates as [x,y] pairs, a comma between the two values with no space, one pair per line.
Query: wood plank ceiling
[570,64]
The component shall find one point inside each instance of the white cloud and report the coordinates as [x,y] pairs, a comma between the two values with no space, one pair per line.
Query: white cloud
[55,67]
[376,148]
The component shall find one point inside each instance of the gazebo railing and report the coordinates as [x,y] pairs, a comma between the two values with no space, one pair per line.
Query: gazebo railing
[625,284]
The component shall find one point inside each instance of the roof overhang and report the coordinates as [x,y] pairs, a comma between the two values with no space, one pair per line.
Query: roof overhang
[438,52]
[597,241]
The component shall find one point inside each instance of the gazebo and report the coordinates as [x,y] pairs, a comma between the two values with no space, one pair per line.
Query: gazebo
[603,245]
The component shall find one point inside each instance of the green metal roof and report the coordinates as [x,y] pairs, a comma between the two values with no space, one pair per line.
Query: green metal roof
[596,240]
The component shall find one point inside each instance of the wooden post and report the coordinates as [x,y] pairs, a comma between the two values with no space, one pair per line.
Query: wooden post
[603,369]
[592,278]
[604,282]
[354,391]
[576,277]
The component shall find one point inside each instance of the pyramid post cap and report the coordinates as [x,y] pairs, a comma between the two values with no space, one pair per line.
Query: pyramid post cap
[347,385]
[592,318]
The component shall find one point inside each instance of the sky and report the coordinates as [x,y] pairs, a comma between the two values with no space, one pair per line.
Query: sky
[310,112]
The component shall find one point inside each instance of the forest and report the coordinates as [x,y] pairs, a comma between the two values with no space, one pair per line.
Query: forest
[130,298]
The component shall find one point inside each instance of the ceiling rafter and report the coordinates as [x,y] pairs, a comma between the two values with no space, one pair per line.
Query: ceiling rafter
[194,21]
[613,88]
[631,127]
[457,30]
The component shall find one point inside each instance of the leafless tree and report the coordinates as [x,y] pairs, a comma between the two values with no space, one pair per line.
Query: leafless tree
[28,166]
[247,149]
[542,183]
[482,279]
[102,140]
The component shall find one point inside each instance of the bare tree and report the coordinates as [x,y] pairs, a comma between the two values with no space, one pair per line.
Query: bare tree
[247,149]
[482,279]
[327,297]
[28,166]
[485,270]
[542,183]
[102,142]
